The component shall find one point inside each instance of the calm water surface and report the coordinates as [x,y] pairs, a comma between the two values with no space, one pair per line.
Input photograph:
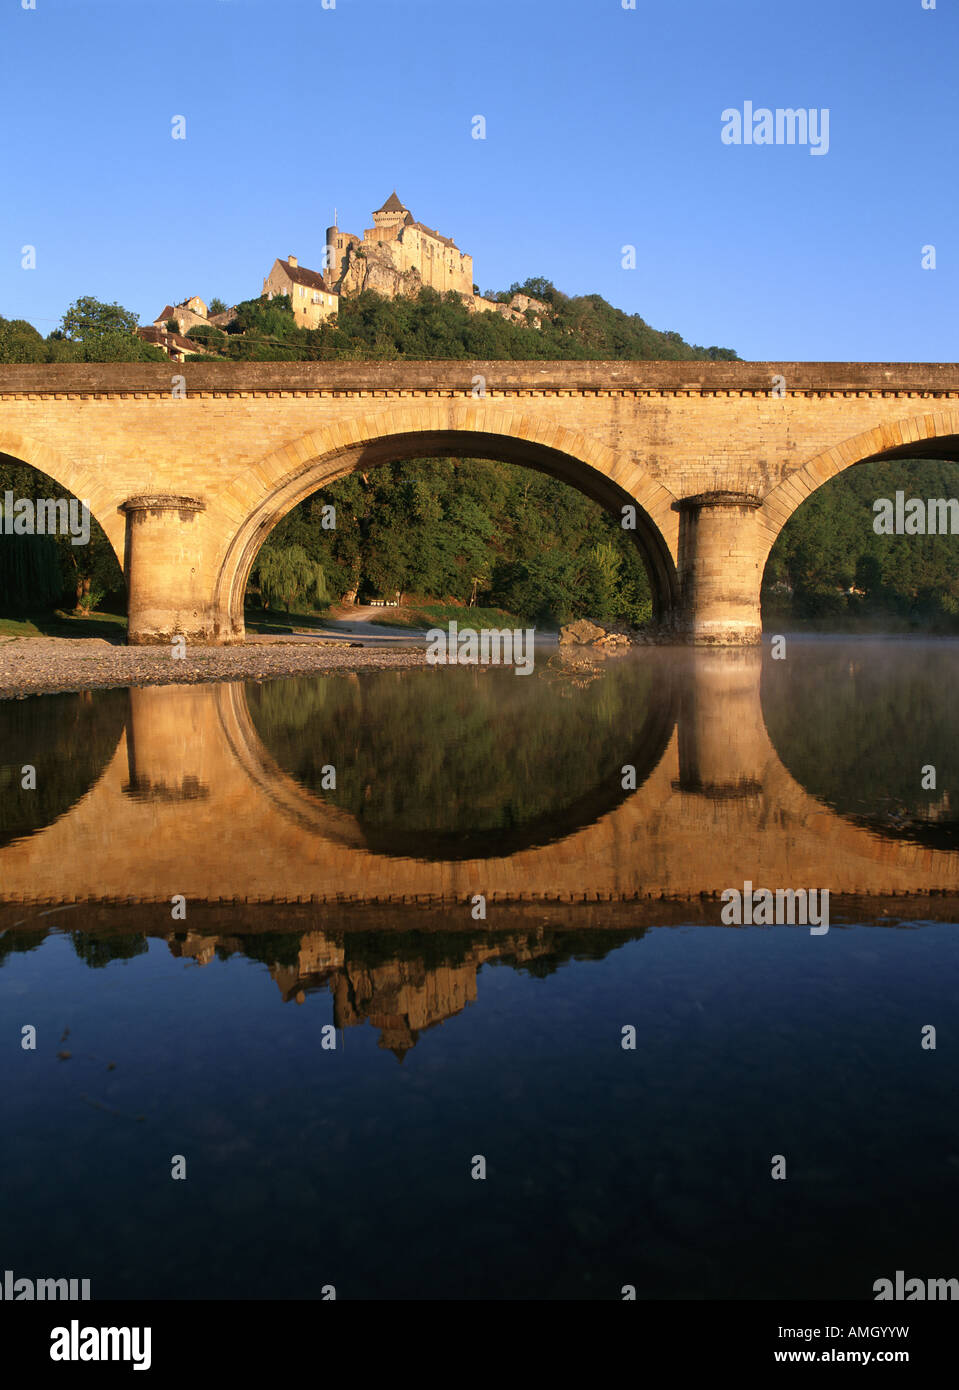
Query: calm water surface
[320,913]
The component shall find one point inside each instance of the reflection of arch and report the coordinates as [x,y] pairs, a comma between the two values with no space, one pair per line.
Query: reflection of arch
[260,497]
[308,811]
[722,757]
[82,482]
[70,760]
[727,761]
[645,751]
[836,759]
[934,436]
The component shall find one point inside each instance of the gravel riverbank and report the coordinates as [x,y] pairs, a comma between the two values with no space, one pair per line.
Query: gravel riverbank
[49,665]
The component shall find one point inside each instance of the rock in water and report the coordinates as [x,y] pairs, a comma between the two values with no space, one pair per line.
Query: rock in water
[582,632]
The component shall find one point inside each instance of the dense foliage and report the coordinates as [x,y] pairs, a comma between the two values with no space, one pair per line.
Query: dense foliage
[89,332]
[43,572]
[370,327]
[494,532]
[829,562]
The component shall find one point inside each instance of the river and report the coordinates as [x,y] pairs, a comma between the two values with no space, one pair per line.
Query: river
[421,978]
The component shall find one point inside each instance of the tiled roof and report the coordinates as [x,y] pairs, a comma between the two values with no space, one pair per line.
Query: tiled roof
[171,311]
[301,276]
[392,204]
[446,240]
[164,339]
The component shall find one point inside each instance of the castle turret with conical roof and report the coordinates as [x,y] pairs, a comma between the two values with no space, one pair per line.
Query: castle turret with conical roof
[392,216]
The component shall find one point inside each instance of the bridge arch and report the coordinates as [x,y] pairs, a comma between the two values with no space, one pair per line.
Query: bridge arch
[259,498]
[933,436]
[75,478]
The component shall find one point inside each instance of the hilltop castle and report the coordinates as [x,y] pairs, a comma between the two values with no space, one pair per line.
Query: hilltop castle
[397,256]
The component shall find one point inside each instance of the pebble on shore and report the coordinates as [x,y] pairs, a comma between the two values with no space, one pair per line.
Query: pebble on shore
[53,665]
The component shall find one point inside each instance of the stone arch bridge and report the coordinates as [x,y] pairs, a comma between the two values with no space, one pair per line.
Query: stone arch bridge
[188,469]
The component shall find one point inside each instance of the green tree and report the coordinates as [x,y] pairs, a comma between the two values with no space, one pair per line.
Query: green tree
[287,574]
[537,287]
[87,573]
[20,342]
[207,334]
[430,527]
[88,320]
[829,547]
[94,332]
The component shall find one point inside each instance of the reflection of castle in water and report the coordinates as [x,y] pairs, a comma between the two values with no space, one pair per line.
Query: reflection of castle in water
[401,995]
[402,982]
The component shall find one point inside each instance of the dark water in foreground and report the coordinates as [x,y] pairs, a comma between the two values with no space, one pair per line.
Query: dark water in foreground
[309,1165]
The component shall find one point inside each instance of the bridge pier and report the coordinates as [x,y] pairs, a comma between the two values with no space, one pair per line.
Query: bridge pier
[174,737]
[720,569]
[724,749]
[163,567]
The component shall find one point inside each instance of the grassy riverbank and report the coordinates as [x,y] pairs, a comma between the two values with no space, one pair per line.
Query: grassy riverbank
[112,627]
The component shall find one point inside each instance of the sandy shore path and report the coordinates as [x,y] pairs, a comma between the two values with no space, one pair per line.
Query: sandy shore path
[47,665]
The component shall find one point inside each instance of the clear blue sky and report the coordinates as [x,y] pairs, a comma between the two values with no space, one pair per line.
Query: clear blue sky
[603,128]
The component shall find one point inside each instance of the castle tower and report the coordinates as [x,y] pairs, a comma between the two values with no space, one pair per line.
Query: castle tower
[338,246]
[331,264]
[391,217]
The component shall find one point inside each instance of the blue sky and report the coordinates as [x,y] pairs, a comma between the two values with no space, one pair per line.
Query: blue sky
[603,129]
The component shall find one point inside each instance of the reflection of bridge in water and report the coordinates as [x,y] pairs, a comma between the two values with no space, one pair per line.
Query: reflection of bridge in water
[192,803]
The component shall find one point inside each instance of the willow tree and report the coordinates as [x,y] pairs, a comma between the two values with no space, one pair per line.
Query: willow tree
[287,574]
